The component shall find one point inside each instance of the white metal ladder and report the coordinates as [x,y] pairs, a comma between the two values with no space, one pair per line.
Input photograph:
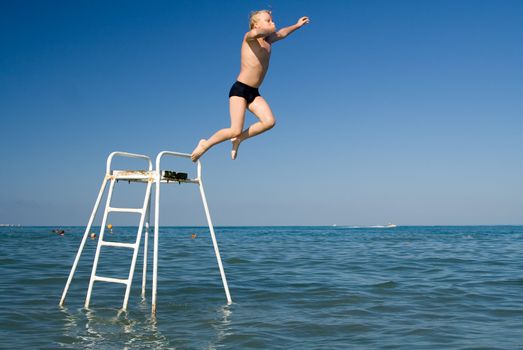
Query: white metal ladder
[151,177]
[135,246]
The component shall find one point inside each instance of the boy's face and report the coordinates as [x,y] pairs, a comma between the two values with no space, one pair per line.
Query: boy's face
[264,21]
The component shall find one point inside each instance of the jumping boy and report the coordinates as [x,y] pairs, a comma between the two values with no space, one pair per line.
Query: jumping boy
[255,56]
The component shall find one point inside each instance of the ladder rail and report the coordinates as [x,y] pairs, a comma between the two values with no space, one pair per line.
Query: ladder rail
[84,239]
[99,245]
[145,247]
[137,246]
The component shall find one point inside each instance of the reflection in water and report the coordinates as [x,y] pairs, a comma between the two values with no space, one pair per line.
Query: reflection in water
[70,328]
[93,337]
[101,328]
[108,327]
[77,330]
[222,326]
[78,334]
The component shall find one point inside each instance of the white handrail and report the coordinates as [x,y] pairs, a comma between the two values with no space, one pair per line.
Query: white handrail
[128,155]
[170,153]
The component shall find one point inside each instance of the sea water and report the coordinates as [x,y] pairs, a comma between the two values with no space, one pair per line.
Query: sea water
[292,288]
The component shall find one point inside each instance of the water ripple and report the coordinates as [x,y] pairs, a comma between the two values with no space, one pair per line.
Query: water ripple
[292,288]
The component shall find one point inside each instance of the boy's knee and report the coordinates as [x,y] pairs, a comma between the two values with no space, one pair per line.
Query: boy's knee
[271,123]
[235,132]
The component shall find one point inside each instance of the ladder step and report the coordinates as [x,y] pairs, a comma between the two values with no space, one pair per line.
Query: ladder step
[118,244]
[125,210]
[111,280]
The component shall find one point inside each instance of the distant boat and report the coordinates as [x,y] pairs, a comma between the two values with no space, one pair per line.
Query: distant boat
[389,225]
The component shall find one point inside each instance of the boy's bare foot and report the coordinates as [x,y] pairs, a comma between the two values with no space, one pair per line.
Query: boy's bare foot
[235,144]
[199,150]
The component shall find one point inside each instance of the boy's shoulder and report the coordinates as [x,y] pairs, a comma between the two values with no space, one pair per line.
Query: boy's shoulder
[266,39]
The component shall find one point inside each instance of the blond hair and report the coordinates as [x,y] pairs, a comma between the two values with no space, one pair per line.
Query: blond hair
[254,14]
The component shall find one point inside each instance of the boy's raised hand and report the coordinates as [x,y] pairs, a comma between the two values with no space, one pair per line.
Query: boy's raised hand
[303,21]
[284,32]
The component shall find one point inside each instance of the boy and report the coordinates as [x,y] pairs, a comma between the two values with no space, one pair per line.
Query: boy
[255,56]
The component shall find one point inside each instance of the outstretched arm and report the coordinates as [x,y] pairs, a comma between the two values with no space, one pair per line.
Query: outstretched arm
[284,32]
[258,33]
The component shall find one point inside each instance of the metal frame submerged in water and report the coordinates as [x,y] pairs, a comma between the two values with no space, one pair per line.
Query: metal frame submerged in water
[150,176]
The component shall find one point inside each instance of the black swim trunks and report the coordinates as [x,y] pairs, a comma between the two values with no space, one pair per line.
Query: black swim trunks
[243,90]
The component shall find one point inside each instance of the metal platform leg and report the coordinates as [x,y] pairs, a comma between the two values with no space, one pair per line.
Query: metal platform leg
[213,236]
[156,236]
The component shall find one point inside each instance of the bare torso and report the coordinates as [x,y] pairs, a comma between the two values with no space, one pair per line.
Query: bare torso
[255,56]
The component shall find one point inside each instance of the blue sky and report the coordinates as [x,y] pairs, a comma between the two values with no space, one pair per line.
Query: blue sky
[387,111]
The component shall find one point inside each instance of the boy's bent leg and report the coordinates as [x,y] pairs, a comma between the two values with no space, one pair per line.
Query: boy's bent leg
[260,108]
[237,111]
[237,107]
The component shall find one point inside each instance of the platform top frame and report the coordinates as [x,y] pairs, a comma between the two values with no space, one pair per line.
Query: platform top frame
[143,175]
